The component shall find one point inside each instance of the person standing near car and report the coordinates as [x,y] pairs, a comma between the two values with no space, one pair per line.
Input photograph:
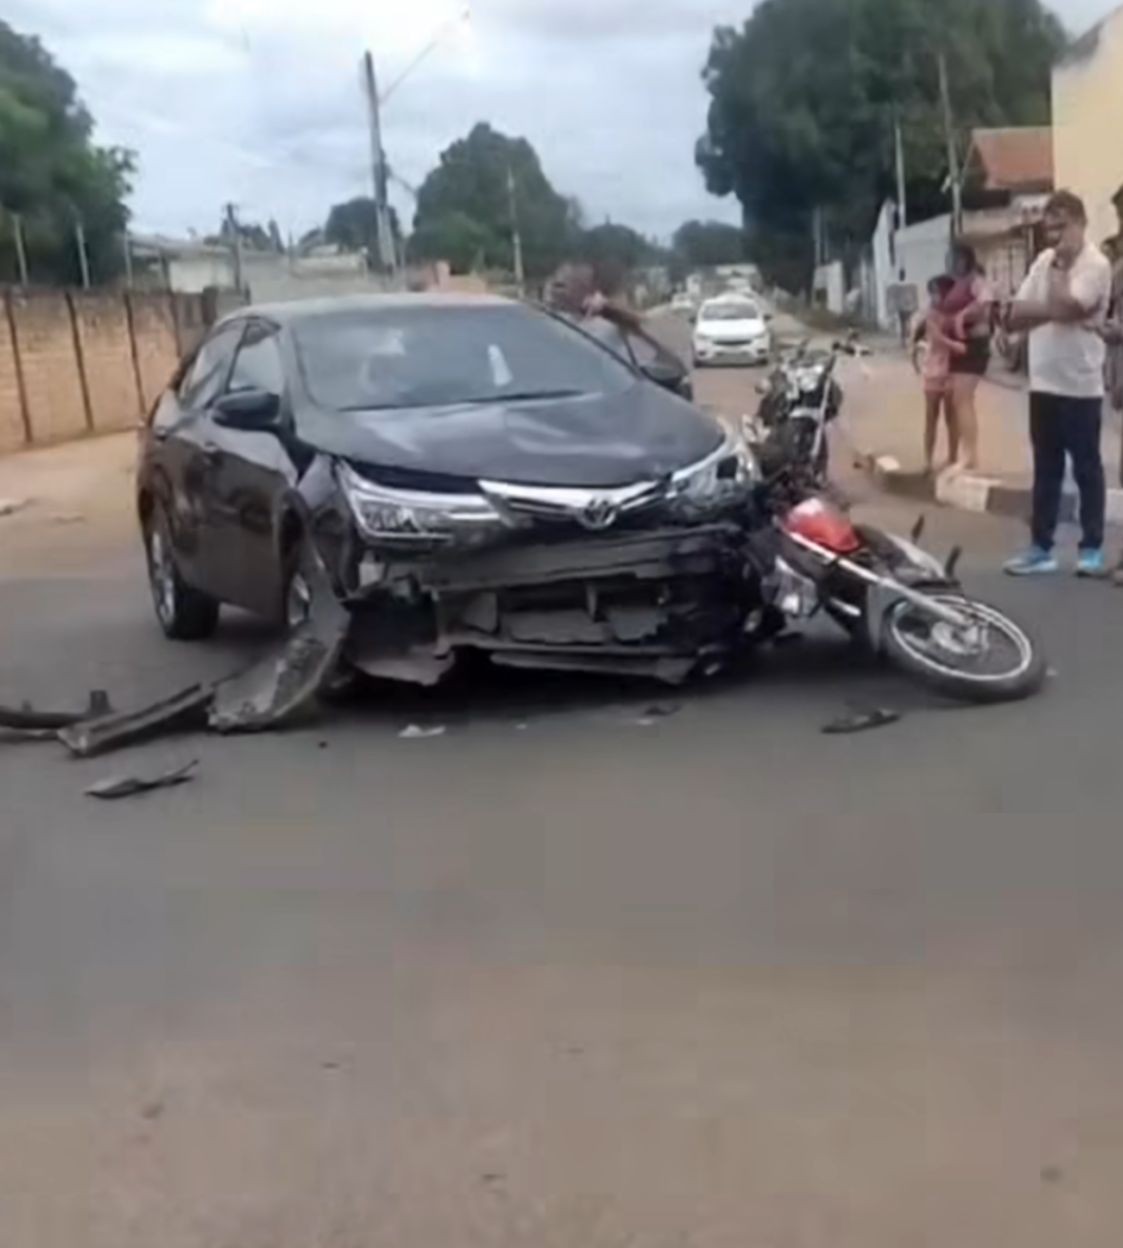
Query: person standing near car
[1063,303]
[970,303]
[1113,335]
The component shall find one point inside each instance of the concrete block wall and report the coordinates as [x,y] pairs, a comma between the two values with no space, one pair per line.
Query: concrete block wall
[79,362]
[53,386]
[102,327]
[13,434]
[157,349]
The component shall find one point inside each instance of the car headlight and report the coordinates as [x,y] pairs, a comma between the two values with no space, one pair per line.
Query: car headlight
[389,514]
[723,474]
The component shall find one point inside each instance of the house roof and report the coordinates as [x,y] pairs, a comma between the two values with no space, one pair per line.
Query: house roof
[1016,159]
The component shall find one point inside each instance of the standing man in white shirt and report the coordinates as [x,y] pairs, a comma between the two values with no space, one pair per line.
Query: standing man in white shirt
[1063,304]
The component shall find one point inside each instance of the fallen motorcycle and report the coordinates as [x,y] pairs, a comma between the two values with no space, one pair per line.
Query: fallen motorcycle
[888,593]
[883,590]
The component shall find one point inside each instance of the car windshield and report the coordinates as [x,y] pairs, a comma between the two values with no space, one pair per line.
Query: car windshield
[432,357]
[742,310]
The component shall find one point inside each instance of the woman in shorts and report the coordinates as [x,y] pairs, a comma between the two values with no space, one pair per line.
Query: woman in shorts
[970,302]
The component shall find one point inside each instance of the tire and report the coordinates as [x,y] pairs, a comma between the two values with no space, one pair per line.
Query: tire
[915,644]
[183,613]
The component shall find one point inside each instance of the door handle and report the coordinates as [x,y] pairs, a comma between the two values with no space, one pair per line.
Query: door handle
[212,452]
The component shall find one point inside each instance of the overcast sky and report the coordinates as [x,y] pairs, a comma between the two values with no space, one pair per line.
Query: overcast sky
[258,101]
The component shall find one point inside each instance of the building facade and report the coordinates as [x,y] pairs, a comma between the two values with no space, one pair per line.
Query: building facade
[1087,118]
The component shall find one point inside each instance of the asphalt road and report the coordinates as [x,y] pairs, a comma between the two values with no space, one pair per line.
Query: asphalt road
[573,973]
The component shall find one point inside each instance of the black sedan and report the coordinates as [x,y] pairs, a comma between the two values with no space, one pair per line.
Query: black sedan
[470,473]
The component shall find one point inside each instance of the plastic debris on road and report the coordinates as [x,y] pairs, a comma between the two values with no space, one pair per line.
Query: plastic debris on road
[118,787]
[861,721]
[416,733]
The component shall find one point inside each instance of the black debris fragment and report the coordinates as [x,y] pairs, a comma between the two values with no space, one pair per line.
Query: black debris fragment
[862,721]
[27,719]
[117,787]
[662,710]
[110,732]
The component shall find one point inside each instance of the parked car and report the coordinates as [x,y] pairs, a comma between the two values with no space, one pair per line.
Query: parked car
[732,329]
[472,473]
[683,304]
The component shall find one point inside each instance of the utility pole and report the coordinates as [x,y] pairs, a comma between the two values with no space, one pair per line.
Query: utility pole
[236,240]
[902,205]
[953,151]
[83,259]
[21,251]
[384,239]
[516,233]
[818,235]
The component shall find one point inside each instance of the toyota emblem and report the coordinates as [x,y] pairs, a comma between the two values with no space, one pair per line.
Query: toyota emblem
[598,513]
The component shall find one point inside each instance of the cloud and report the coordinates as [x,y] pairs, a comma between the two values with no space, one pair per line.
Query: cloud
[258,101]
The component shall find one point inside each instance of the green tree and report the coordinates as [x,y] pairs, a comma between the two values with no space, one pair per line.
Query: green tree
[352,225]
[615,251]
[704,244]
[51,173]
[804,99]
[464,207]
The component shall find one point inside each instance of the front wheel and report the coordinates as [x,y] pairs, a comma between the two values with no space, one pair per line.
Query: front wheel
[988,658]
[184,613]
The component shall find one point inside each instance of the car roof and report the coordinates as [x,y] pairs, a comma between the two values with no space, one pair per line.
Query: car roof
[311,309]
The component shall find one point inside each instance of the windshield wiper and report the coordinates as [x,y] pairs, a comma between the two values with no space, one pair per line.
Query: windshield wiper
[523,396]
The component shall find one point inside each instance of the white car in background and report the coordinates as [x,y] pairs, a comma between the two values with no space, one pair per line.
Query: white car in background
[683,305]
[732,329]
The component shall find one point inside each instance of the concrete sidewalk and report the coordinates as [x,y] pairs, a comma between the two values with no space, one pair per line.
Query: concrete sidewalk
[884,420]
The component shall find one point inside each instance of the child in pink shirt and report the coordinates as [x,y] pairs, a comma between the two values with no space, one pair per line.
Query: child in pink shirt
[936,332]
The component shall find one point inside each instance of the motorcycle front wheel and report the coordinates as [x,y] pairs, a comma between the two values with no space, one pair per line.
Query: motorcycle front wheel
[987,659]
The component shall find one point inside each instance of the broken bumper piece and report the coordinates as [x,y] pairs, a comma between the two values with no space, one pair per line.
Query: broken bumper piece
[264,697]
[276,688]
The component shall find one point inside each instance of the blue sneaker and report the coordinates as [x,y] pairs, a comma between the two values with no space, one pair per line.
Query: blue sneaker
[1092,564]
[1034,562]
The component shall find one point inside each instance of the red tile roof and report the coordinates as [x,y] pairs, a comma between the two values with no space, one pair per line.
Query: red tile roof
[1018,159]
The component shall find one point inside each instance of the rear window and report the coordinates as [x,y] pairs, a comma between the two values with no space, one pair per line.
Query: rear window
[431,357]
[741,310]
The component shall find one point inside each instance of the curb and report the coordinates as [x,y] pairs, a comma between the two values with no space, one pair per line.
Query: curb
[982,495]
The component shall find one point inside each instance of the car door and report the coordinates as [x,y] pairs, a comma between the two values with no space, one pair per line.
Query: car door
[251,470]
[181,431]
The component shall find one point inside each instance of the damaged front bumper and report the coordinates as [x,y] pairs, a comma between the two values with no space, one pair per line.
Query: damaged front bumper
[651,602]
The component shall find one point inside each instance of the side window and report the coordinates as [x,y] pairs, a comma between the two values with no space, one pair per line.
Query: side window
[205,378]
[258,366]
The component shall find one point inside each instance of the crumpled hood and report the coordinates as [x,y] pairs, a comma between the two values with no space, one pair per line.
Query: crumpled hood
[590,440]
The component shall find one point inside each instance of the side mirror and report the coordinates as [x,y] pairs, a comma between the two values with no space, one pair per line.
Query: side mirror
[769,317]
[247,409]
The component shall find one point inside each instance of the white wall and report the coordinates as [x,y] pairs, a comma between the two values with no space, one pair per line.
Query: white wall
[829,287]
[922,251]
[193,273]
[884,272]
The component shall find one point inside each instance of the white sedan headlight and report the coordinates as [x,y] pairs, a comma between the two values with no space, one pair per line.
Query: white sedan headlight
[389,514]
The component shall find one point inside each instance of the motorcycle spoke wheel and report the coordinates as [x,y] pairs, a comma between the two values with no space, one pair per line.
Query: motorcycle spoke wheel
[986,658]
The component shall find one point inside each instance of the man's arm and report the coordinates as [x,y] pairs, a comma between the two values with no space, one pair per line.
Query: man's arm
[623,318]
[1067,301]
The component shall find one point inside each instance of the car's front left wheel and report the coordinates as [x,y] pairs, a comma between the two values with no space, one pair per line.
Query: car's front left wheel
[185,614]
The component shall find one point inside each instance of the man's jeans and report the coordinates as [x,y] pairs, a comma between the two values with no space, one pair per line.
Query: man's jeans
[1060,425]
